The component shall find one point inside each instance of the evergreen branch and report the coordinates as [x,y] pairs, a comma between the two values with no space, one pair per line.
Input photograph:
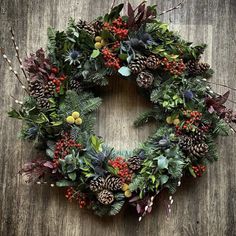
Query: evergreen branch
[144,117]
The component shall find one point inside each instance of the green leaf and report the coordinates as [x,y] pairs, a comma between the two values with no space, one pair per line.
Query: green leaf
[125,71]
[72,176]
[192,172]
[164,179]
[162,162]
[65,183]
[57,123]
[14,114]
[50,153]
[95,53]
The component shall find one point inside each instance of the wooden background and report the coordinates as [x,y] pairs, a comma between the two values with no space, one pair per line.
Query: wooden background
[201,207]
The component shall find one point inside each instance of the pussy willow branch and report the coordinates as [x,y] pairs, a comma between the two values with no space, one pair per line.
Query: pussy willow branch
[17,52]
[11,69]
[223,85]
[179,5]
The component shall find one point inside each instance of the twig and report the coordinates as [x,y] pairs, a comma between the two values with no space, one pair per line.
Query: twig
[16,101]
[223,85]
[11,69]
[17,53]
[179,5]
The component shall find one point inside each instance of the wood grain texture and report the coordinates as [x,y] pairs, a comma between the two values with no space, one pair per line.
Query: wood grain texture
[201,207]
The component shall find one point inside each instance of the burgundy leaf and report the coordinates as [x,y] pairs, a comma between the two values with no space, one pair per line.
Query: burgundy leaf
[48,164]
[130,10]
[222,99]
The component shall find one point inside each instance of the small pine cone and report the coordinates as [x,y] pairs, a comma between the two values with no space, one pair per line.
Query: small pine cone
[195,68]
[106,197]
[75,84]
[145,79]
[203,67]
[153,62]
[199,150]
[87,27]
[49,89]
[97,25]
[36,89]
[198,137]
[134,163]
[113,183]
[97,185]
[185,143]
[43,103]
[138,64]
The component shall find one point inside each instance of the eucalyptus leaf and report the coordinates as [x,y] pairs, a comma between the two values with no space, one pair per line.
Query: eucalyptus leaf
[125,71]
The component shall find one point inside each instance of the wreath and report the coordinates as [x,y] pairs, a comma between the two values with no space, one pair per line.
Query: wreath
[59,110]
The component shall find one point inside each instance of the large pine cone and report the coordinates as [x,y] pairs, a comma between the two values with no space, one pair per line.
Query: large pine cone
[198,137]
[185,143]
[138,64]
[75,84]
[36,89]
[145,79]
[113,183]
[49,89]
[153,62]
[199,150]
[97,185]
[195,68]
[134,163]
[87,27]
[43,103]
[106,197]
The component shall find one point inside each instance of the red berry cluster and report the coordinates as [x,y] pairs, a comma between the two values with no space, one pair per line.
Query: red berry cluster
[118,27]
[192,121]
[55,79]
[115,46]
[63,147]
[70,193]
[110,59]
[174,67]
[82,200]
[122,167]
[199,170]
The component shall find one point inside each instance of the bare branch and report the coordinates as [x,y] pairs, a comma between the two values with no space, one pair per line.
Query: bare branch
[179,5]
[17,52]
[11,69]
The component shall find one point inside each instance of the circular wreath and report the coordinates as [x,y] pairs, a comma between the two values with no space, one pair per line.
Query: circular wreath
[59,110]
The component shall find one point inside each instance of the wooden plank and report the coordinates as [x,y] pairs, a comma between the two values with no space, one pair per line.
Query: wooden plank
[202,207]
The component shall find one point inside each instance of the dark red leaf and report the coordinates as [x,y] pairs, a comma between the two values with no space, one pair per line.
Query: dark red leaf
[130,10]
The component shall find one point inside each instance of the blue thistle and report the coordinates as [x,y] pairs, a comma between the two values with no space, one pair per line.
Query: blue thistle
[188,94]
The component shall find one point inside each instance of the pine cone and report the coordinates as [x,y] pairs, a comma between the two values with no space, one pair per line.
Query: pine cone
[106,197]
[138,64]
[195,68]
[97,25]
[199,150]
[43,103]
[203,67]
[113,183]
[145,79]
[153,62]
[36,89]
[97,185]
[49,89]
[185,143]
[75,84]
[198,137]
[87,27]
[134,163]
